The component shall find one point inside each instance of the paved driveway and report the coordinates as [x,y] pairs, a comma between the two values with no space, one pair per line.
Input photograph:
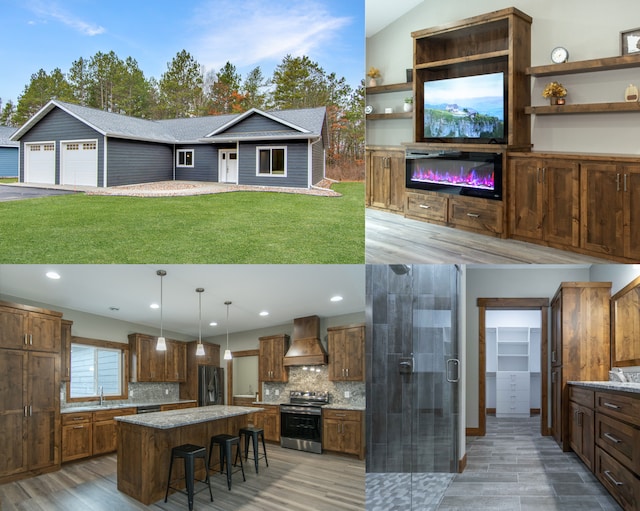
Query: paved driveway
[8,192]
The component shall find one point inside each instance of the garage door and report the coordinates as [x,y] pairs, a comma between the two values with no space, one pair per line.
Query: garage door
[79,163]
[40,163]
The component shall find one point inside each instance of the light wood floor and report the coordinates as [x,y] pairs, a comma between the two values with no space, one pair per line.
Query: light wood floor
[294,480]
[391,238]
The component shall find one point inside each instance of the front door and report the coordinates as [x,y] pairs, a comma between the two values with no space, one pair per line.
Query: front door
[228,165]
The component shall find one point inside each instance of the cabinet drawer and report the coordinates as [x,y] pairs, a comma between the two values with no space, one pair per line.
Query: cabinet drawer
[75,418]
[481,216]
[621,483]
[620,440]
[619,406]
[105,415]
[506,379]
[429,207]
[345,415]
[582,396]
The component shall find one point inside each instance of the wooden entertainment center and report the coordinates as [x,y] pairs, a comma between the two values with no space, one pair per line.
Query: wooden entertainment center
[577,202]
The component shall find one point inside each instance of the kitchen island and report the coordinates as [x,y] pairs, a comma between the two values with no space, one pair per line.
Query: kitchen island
[145,443]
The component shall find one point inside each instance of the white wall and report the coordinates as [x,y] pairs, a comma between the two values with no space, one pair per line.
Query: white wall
[589,29]
[618,274]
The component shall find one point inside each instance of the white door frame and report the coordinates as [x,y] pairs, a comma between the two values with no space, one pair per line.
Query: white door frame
[222,161]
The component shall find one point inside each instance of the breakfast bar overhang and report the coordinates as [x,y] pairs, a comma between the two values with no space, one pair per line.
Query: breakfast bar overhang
[145,443]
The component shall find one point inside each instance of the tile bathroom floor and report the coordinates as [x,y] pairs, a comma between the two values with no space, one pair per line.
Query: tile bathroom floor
[512,468]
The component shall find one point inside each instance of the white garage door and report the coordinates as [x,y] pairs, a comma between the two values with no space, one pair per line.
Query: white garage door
[79,163]
[40,163]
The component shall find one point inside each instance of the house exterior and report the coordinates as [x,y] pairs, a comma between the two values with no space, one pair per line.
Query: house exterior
[8,153]
[75,145]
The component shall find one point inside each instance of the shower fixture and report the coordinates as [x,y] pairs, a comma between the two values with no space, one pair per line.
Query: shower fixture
[400,269]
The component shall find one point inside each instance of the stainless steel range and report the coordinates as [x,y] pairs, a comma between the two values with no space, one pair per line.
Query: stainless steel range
[301,421]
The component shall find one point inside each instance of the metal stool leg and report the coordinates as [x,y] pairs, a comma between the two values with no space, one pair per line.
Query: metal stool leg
[264,450]
[189,461]
[166,495]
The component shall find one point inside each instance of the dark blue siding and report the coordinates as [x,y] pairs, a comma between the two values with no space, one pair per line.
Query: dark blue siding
[205,164]
[8,161]
[130,162]
[297,165]
[317,155]
[257,123]
[58,125]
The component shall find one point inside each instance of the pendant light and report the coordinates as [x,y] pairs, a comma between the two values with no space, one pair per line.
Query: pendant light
[200,347]
[161,345]
[227,352]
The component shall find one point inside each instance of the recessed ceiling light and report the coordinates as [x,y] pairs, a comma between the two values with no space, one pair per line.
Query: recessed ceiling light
[264,313]
[154,306]
[336,298]
[53,275]
[213,323]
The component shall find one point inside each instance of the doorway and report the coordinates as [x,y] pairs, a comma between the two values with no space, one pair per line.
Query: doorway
[511,304]
[228,166]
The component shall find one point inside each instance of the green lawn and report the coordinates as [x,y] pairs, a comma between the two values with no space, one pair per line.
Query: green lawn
[237,227]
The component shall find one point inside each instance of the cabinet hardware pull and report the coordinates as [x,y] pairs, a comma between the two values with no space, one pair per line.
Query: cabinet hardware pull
[78,418]
[347,372]
[25,410]
[30,411]
[611,478]
[78,427]
[473,215]
[25,338]
[611,405]
[424,206]
[341,415]
[553,356]
[537,174]
[31,339]
[617,182]
[579,418]
[612,438]
[544,174]
[625,182]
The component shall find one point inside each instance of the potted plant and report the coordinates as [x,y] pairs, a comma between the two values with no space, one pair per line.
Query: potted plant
[555,92]
[373,74]
[408,104]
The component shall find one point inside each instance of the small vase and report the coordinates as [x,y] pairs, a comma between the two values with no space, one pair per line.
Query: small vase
[408,107]
[372,82]
[556,101]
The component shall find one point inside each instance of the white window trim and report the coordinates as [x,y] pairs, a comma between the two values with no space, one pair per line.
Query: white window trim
[271,148]
[193,158]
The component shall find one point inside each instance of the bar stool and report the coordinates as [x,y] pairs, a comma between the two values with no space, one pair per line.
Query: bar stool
[189,453]
[255,434]
[225,442]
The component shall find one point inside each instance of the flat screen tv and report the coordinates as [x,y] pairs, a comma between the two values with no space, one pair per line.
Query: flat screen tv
[465,109]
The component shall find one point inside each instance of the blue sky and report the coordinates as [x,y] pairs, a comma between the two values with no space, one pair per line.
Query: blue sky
[46,34]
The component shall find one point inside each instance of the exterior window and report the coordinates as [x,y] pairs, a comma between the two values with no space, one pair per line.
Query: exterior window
[89,146]
[93,367]
[184,158]
[73,147]
[272,161]
[34,148]
[49,147]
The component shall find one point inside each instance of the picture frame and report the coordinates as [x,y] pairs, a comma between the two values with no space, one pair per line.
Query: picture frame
[630,42]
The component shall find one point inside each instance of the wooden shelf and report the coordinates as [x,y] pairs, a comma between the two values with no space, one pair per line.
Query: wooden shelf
[393,87]
[399,115]
[589,108]
[480,57]
[586,66]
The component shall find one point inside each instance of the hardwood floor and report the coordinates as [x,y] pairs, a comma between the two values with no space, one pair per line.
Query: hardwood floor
[294,480]
[391,238]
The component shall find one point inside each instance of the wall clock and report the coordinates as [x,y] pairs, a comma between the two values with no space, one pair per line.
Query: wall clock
[368,109]
[559,55]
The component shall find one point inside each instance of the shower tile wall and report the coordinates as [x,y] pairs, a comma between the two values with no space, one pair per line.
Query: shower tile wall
[409,417]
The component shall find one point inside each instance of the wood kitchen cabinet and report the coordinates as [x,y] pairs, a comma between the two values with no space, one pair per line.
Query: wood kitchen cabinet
[151,365]
[177,406]
[65,350]
[385,179]
[77,436]
[346,353]
[271,358]
[343,431]
[581,424]
[211,357]
[580,331]
[544,200]
[29,328]
[269,420]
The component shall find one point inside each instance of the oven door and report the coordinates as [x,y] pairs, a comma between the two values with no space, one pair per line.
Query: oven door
[301,429]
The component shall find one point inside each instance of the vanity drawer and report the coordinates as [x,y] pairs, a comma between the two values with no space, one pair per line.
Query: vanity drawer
[75,418]
[480,216]
[620,440]
[623,485]
[584,397]
[429,207]
[621,406]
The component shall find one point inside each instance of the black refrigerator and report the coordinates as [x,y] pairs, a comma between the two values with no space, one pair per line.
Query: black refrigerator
[210,385]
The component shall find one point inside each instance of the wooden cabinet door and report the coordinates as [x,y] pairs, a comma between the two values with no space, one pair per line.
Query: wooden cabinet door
[44,332]
[556,404]
[632,211]
[44,404]
[271,358]
[13,420]
[271,426]
[526,203]
[351,438]
[76,441]
[331,437]
[397,180]
[346,353]
[13,327]
[556,330]
[105,437]
[176,361]
[379,179]
[561,185]
[149,361]
[602,205]
[65,350]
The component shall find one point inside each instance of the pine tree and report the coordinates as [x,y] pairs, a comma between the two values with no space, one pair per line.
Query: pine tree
[181,93]
[41,89]
[252,90]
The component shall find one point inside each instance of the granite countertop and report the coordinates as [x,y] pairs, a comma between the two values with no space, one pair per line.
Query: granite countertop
[177,418]
[97,408]
[609,385]
[344,407]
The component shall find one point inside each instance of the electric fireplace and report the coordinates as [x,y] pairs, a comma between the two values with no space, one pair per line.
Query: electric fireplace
[474,174]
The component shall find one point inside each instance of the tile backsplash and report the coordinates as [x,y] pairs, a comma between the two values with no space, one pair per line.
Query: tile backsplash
[312,379]
[138,393]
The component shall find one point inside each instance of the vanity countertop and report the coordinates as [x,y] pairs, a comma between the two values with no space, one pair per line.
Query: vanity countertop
[609,385]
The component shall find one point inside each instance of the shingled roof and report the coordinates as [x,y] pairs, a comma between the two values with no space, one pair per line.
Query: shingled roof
[5,137]
[175,131]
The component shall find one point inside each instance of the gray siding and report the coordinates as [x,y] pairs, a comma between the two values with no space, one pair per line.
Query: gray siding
[297,165]
[258,123]
[8,161]
[205,164]
[58,125]
[317,152]
[131,162]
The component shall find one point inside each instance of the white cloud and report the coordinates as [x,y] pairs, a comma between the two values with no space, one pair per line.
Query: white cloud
[55,12]
[261,31]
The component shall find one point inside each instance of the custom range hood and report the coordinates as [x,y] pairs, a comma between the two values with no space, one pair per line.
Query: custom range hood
[306,348]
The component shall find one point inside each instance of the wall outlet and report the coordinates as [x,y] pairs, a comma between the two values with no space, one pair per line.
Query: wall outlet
[267,391]
[277,392]
[347,394]
[166,392]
